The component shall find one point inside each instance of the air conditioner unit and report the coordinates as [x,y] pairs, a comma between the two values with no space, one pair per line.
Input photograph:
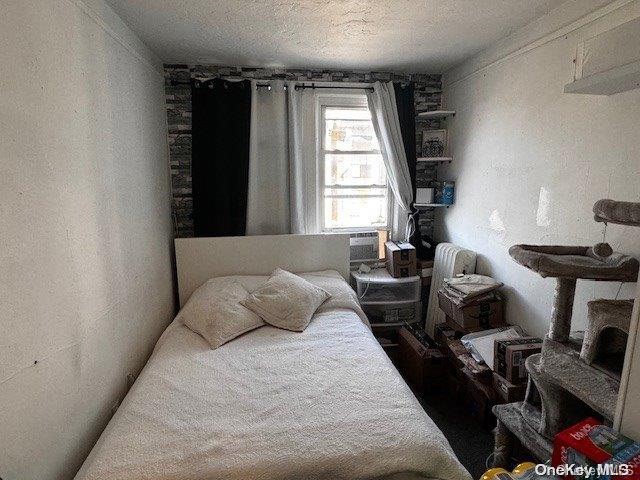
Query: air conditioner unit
[363,247]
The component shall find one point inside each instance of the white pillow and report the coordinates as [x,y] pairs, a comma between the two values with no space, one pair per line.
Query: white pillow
[286,301]
[214,311]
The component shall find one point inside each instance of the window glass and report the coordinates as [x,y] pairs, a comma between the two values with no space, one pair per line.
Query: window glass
[357,211]
[346,169]
[349,133]
[355,194]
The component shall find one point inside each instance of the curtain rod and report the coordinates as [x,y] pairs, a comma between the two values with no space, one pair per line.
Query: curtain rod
[314,86]
[185,82]
[298,87]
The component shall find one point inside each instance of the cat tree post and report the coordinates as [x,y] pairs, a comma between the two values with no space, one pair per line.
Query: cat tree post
[560,326]
[503,445]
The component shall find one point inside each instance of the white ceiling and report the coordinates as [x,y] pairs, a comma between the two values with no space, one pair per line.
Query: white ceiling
[398,35]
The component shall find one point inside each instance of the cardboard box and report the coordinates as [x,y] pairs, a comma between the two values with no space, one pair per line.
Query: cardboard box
[455,385]
[458,329]
[480,399]
[508,392]
[461,358]
[482,314]
[510,355]
[419,362]
[443,333]
[401,259]
[425,270]
[605,453]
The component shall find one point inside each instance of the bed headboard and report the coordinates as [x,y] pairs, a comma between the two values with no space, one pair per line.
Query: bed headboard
[199,259]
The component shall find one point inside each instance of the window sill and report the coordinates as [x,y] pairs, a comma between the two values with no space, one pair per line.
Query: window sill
[354,230]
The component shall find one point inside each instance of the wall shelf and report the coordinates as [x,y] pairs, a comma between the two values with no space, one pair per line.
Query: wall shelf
[424,106]
[434,159]
[615,80]
[436,114]
[430,205]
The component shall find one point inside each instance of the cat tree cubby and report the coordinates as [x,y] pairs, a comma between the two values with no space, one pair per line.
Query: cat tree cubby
[574,376]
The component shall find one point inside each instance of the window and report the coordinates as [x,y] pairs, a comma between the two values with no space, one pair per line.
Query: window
[354,194]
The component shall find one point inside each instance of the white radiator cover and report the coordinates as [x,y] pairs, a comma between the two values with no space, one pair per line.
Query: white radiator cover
[450,260]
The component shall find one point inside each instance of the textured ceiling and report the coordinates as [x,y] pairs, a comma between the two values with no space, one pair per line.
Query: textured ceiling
[400,35]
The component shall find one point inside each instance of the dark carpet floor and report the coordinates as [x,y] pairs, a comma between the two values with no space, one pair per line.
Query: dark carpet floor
[471,442]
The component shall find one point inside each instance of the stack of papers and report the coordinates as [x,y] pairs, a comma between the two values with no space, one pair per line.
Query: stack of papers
[466,289]
[481,344]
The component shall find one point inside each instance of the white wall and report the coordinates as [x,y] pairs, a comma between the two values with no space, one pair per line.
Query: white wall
[530,161]
[85,282]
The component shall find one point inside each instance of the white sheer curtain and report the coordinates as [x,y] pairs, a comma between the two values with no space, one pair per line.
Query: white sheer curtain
[268,198]
[281,159]
[302,159]
[283,169]
[386,124]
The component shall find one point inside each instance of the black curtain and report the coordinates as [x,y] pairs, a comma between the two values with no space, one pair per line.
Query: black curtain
[407,114]
[405,100]
[220,156]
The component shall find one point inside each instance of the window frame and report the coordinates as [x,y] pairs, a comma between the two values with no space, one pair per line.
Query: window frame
[346,102]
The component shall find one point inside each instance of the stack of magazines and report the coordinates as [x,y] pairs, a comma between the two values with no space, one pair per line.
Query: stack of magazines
[466,289]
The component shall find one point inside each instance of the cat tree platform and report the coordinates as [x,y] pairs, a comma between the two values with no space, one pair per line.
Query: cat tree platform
[559,394]
[568,264]
[561,362]
[510,422]
[621,213]
[606,335]
[548,406]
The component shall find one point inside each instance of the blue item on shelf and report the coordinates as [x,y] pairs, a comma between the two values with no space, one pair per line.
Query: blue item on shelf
[447,193]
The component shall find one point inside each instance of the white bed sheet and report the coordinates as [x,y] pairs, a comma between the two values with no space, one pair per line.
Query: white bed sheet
[322,404]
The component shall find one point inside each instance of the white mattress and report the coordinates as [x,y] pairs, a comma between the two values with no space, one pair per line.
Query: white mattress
[322,404]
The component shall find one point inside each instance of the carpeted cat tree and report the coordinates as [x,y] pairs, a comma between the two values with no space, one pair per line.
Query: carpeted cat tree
[574,376]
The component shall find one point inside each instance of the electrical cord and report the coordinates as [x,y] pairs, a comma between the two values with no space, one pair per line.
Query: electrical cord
[366,289]
[489,460]
[619,288]
[410,228]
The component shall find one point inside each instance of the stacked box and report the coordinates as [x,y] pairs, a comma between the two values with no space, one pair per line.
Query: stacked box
[480,398]
[510,355]
[507,391]
[401,259]
[443,334]
[425,270]
[483,313]
[419,361]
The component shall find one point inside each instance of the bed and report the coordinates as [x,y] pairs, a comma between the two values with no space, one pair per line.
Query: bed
[325,403]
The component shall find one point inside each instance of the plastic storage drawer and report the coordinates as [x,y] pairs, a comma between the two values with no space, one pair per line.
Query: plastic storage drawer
[378,287]
[393,313]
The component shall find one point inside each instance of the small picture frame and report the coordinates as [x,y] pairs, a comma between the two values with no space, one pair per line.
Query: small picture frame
[434,143]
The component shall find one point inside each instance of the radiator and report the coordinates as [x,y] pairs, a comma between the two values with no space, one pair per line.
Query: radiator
[450,260]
